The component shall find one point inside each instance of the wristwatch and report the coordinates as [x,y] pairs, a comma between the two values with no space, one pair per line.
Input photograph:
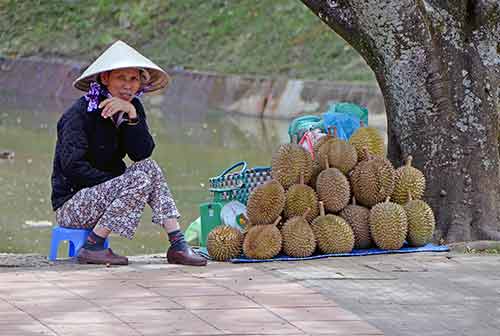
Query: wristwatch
[133,121]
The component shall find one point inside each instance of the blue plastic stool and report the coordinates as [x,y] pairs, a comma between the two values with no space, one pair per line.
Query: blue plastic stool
[75,237]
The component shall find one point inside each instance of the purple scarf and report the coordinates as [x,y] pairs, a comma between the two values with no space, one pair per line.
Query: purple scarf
[92,96]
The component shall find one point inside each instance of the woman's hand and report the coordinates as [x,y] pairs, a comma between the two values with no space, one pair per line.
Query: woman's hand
[114,105]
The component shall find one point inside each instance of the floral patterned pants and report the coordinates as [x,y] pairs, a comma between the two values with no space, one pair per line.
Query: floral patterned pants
[117,204]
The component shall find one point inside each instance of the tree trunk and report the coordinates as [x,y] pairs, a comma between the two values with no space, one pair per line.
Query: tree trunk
[438,68]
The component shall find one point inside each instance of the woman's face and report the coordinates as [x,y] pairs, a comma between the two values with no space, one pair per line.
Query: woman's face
[122,83]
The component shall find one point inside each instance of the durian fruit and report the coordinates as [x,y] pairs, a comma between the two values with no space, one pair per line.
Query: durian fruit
[298,237]
[339,153]
[316,170]
[265,203]
[263,241]
[388,225]
[372,180]
[288,162]
[357,217]
[224,242]
[421,222]
[333,189]
[369,137]
[299,198]
[333,234]
[315,162]
[320,142]
[408,180]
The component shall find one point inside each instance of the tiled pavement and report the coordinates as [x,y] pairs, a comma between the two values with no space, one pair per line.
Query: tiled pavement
[431,294]
[162,299]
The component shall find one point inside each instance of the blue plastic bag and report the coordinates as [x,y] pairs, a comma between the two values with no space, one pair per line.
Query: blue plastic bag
[350,109]
[345,117]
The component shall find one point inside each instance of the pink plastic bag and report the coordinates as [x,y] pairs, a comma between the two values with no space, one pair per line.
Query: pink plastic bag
[309,139]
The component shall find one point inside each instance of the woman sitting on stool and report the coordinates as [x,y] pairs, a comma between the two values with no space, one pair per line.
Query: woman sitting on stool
[91,185]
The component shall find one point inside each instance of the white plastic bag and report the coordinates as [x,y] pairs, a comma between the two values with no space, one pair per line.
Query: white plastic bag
[231,212]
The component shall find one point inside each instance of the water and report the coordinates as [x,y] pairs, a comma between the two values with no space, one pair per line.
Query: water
[192,144]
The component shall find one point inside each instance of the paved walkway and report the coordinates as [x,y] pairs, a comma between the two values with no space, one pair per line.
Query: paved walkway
[431,294]
[160,299]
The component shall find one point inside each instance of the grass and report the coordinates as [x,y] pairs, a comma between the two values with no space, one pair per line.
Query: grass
[482,251]
[259,37]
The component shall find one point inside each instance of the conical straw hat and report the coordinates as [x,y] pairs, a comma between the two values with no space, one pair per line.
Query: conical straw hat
[118,56]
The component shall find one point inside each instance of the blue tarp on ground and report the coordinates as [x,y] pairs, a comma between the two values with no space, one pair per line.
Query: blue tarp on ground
[405,249]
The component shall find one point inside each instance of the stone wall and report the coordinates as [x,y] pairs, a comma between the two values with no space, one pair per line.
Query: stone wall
[253,96]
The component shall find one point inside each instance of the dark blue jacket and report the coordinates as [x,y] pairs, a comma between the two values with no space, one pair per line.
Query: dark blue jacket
[90,149]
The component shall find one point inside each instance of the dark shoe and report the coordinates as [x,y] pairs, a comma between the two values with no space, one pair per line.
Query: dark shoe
[185,257]
[103,257]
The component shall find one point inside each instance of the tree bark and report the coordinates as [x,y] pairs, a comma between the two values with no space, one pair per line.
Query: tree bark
[437,63]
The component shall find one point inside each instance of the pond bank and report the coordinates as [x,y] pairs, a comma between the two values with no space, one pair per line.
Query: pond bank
[279,98]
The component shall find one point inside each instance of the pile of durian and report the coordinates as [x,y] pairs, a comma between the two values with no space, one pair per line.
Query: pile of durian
[346,196]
